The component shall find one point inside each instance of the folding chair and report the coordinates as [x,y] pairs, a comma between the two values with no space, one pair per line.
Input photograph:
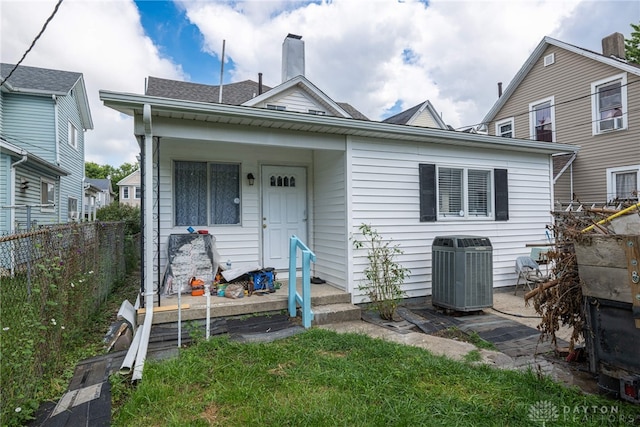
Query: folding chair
[529,272]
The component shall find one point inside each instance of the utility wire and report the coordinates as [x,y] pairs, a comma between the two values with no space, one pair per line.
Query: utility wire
[525,113]
[55,10]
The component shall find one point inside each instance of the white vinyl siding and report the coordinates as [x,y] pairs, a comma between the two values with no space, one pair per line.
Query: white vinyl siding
[385,194]
[330,217]
[293,100]
[609,104]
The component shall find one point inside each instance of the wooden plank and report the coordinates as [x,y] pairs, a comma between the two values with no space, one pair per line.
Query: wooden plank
[604,282]
[605,251]
[164,308]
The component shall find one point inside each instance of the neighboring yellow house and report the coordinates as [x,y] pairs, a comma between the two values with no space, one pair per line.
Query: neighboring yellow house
[129,192]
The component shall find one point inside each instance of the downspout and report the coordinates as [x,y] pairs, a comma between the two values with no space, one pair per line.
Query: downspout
[12,188]
[84,188]
[55,121]
[57,153]
[148,243]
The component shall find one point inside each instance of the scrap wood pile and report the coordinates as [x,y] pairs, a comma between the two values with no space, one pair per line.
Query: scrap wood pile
[559,300]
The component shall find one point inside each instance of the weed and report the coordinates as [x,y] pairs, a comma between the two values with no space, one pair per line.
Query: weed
[383,276]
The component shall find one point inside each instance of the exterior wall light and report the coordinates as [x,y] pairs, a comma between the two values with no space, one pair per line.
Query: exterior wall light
[251,178]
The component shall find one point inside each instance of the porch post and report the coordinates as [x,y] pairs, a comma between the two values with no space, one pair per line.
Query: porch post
[148,207]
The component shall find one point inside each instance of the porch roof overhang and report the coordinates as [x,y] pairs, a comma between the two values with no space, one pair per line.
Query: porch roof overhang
[133,104]
[33,160]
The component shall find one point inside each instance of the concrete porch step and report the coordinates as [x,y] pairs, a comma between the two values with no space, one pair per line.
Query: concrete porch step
[195,308]
[335,313]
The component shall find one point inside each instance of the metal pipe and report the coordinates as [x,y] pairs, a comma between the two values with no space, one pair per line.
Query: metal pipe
[609,218]
[221,73]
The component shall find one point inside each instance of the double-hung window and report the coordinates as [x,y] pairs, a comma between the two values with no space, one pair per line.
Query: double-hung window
[206,193]
[623,183]
[464,193]
[609,104]
[505,128]
[47,195]
[73,136]
[448,192]
[542,120]
[138,193]
[125,192]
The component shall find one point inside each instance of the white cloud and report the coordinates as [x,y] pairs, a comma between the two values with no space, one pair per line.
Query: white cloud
[105,42]
[368,53]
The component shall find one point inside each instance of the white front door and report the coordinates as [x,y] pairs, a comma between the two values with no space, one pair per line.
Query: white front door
[284,212]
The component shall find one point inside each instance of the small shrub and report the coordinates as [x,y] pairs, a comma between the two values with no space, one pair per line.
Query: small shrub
[384,276]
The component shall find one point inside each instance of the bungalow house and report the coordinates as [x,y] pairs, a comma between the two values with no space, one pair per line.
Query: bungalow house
[43,116]
[570,95]
[291,160]
[129,190]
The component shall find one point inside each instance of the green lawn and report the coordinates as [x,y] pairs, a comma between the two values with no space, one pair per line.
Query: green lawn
[322,378]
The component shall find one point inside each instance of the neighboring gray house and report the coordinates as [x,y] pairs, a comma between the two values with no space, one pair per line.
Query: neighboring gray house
[43,116]
[129,190]
[422,114]
[571,95]
[98,194]
[290,160]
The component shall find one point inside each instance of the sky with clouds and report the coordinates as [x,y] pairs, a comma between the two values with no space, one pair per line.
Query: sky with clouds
[381,56]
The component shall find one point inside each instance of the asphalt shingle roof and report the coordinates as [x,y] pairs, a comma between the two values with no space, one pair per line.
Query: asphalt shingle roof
[403,117]
[232,93]
[40,79]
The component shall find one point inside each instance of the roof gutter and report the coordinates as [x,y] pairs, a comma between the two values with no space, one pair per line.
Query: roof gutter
[131,104]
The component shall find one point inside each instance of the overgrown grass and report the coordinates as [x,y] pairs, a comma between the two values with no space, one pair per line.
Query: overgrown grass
[321,378]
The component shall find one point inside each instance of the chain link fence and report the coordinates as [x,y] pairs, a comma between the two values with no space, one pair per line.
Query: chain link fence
[52,281]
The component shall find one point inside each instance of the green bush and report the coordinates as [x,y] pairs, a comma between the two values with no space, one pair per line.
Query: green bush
[120,212]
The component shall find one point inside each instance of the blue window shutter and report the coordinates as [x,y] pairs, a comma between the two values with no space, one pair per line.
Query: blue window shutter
[427,178]
[501,194]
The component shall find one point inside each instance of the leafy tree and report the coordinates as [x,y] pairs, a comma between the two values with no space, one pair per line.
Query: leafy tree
[632,45]
[96,171]
[124,170]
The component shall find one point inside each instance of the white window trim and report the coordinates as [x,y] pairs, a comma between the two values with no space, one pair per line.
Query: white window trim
[511,121]
[465,195]
[52,208]
[532,118]
[72,136]
[595,119]
[135,192]
[611,182]
[127,191]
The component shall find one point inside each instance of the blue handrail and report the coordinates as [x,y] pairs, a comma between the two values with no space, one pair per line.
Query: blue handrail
[294,297]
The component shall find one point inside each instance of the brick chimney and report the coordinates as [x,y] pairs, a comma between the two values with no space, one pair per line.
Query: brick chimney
[292,57]
[613,45]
